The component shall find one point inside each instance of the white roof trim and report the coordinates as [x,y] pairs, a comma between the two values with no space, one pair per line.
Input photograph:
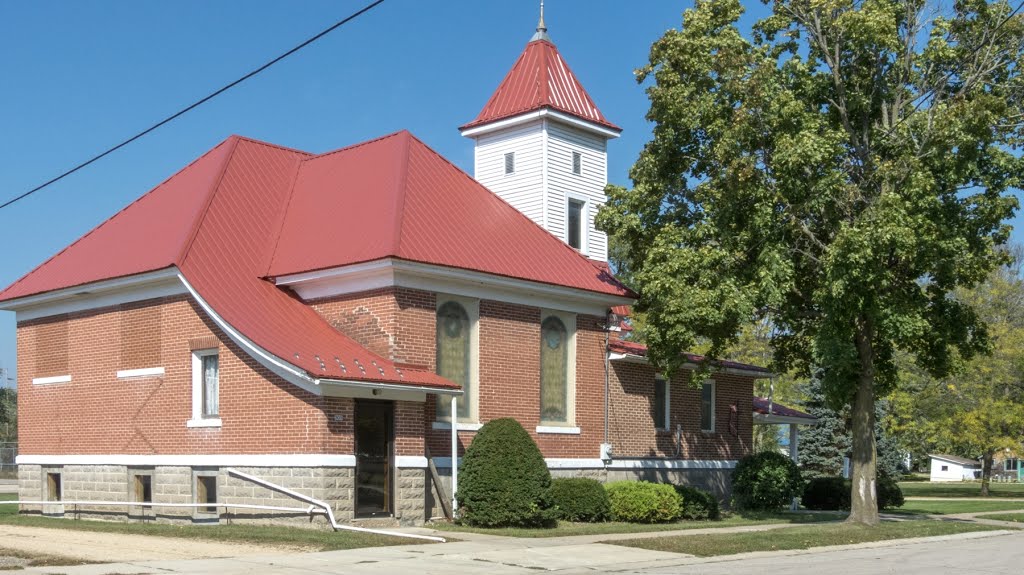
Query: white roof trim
[538,114]
[388,272]
[954,461]
[270,361]
[104,293]
[297,375]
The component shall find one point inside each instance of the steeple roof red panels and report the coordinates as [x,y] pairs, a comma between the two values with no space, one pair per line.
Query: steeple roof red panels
[540,79]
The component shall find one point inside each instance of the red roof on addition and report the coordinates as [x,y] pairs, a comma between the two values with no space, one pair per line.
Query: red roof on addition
[540,79]
[765,407]
[247,207]
[640,350]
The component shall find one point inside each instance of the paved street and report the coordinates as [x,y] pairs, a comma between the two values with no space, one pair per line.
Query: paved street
[975,553]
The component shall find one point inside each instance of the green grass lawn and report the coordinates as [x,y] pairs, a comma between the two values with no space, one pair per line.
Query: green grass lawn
[963,489]
[936,507]
[266,535]
[1014,517]
[566,528]
[799,537]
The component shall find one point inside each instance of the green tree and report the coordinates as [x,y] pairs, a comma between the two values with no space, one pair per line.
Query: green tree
[8,415]
[979,412]
[823,447]
[840,171]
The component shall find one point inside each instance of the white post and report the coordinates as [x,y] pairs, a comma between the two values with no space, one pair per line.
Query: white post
[794,445]
[455,450]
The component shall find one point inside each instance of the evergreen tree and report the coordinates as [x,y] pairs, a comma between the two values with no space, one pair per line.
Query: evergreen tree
[823,446]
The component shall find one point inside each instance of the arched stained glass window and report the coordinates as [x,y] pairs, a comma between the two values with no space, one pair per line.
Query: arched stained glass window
[453,354]
[554,371]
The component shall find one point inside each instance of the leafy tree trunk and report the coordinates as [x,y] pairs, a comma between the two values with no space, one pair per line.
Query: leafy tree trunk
[864,499]
[986,472]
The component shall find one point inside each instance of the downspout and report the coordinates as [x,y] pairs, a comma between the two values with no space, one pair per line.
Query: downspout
[455,452]
[607,361]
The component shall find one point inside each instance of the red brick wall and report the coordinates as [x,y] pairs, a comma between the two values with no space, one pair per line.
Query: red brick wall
[509,361]
[632,415]
[97,413]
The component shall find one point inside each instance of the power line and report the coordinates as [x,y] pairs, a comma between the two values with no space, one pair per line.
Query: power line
[199,102]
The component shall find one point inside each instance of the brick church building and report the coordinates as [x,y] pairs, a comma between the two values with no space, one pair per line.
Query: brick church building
[313,320]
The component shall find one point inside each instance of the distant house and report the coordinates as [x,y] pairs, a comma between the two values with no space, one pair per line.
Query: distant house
[953,468]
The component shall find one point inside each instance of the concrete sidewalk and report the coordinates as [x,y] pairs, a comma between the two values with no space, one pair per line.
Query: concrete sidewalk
[483,554]
[477,557]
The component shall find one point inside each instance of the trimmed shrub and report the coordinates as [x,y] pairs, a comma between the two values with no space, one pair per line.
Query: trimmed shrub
[765,481]
[889,493]
[580,499]
[503,480]
[643,502]
[697,504]
[827,494]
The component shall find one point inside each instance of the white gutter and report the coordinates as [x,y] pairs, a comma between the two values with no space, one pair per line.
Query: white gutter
[327,508]
[290,372]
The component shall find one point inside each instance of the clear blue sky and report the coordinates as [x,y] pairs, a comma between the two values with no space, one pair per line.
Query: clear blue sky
[80,76]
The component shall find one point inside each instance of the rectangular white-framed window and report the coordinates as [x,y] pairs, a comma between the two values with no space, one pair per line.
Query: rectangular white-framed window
[457,347]
[1010,464]
[707,406]
[576,223]
[205,388]
[557,369]
[661,402]
[945,468]
[510,163]
[577,163]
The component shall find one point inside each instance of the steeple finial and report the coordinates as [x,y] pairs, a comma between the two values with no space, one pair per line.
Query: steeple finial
[542,29]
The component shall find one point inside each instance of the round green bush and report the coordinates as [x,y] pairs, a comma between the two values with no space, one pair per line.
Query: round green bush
[643,502]
[765,481]
[827,494]
[503,480]
[580,499]
[697,504]
[889,493]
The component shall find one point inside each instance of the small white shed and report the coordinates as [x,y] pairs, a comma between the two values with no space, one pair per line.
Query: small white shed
[953,468]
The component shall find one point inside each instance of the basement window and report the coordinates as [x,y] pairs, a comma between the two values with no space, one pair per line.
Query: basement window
[53,487]
[142,485]
[510,163]
[206,492]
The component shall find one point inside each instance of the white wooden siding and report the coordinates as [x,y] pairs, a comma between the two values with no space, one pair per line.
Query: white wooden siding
[523,188]
[563,140]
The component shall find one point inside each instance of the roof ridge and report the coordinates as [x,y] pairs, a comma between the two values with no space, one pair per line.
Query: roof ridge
[109,219]
[284,215]
[273,145]
[198,223]
[521,215]
[356,145]
[403,190]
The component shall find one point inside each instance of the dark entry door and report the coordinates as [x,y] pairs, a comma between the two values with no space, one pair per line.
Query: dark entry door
[374,426]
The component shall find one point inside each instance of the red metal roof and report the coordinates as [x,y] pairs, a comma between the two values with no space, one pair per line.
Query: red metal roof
[216,220]
[639,349]
[247,207]
[761,405]
[146,235]
[395,197]
[540,79]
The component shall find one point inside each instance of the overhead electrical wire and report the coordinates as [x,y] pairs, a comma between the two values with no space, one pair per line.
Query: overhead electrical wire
[198,103]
